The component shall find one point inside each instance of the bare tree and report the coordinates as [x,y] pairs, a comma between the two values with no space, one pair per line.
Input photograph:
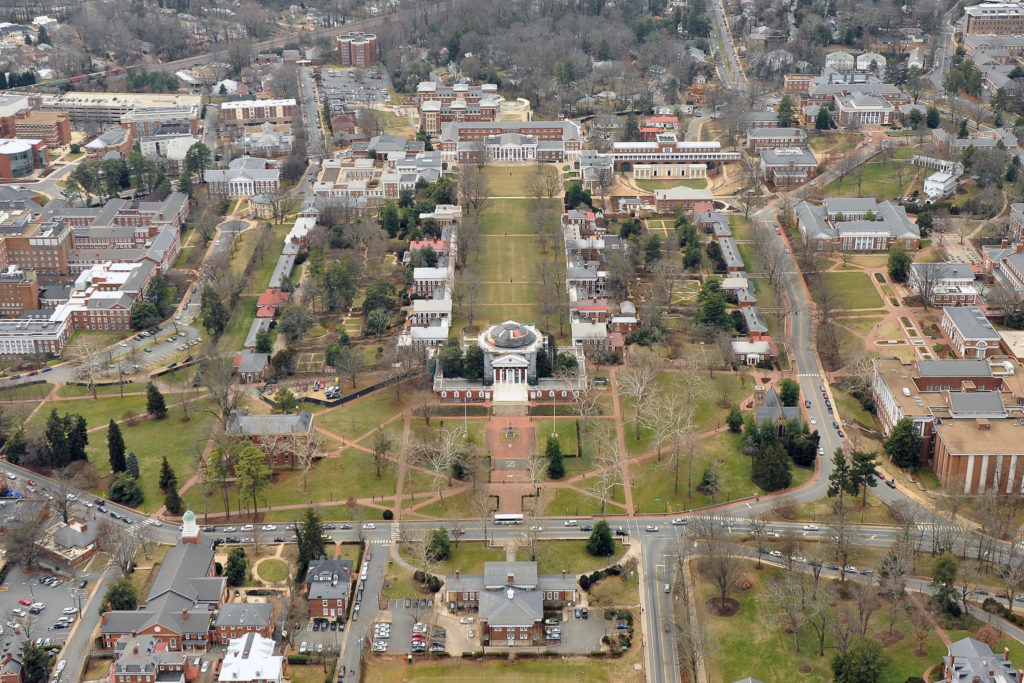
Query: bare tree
[586,400]
[724,571]
[920,626]
[217,375]
[1013,580]
[692,641]
[820,616]
[424,405]
[543,182]
[786,597]
[305,450]
[84,359]
[758,526]
[469,283]
[480,504]
[23,543]
[439,459]
[865,599]
[474,189]
[924,279]
[537,468]
[62,503]
[893,582]
[467,241]
[608,462]
[844,629]
[840,536]
[124,549]
[639,380]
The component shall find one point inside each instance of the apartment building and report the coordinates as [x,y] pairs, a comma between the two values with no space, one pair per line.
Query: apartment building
[236,620]
[857,224]
[254,112]
[327,584]
[251,659]
[996,18]
[52,127]
[357,49]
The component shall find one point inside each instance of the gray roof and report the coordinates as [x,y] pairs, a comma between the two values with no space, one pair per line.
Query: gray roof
[258,325]
[245,614]
[182,564]
[773,409]
[976,403]
[69,537]
[497,573]
[241,424]
[511,607]
[972,323]
[954,368]
[282,269]
[254,362]
[754,319]
[329,579]
[971,661]
[796,156]
[772,133]
[948,271]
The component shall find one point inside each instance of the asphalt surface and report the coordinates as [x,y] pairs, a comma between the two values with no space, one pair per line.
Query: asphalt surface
[316,147]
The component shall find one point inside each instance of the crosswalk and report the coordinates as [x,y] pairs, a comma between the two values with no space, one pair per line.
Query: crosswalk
[380,541]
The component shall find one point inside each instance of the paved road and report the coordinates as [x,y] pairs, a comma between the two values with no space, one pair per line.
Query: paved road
[315,144]
[738,78]
[943,53]
[356,633]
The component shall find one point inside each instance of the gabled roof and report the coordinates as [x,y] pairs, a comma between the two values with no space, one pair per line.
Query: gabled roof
[510,607]
[248,425]
[183,562]
[257,615]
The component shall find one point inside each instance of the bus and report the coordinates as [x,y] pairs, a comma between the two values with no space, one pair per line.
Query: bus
[508,519]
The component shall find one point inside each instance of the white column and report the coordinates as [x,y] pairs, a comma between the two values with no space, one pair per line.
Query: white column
[1012,473]
[970,474]
[983,479]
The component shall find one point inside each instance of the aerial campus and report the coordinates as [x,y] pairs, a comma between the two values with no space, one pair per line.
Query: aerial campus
[669,341]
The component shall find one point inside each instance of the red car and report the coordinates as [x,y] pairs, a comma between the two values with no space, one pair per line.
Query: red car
[26,602]
[31,482]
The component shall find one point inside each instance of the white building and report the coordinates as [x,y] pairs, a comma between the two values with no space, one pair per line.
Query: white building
[251,659]
[871,61]
[840,61]
[916,59]
[938,185]
[167,150]
[243,177]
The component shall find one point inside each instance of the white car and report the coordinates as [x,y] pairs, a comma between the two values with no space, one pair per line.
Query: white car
[813,421]
[651,528]
[536,527]
[247,527]
[269,527]
[369,525]
[571,522]
[810,527]
[302,648]
[470,633]
[206,667]
[466,620]
[70,610]
[679,521]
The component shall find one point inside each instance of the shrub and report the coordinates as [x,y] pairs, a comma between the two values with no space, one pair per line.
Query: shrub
[388,515]
[585,582]
[435,584]
[418,575]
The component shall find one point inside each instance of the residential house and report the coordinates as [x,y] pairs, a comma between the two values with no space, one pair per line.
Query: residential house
[939,185]
[252,366]
[840,61]
[972,661]
[327,584]
[251,659]
[236,620]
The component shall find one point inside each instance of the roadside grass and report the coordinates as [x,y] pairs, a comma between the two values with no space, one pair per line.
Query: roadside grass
[571,556]
[571,503]
[468,557]
[850,409]
[26,392]
[546,670]
[354,419]
[77,390]
[181,442]
[99,339]
[876,511]
[856,289]
[357,513]
[96,413]
[97,668]
[331,479]
[615,591]
[754,643]
[398,583]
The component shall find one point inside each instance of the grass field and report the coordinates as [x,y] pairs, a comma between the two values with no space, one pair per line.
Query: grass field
[238,324]
[550,670]
[76,390]
[876,179]
[181,442]
[572,503]
[512,216]
[833,142]
[859,325]
[354,419]
[668,183]
[26,392]
[571,556]
[96,413]
[273,570]
[856,289]
[507,181]
[468,557]
[97,338]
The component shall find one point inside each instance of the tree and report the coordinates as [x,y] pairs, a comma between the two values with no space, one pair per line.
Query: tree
[474,189]
[55,437]
[439,546]
[841,478]
[927,278]
[172,501]
[310,540]
[899,264]
[115,448]
[383,444]
[553,452]
[638,381]
[864,472]
[294,322]
[121,595]
[132,465]
[903,446]
[23,543]
[285,403]
[35,660]
[155,404]
[215,313]
[864,662]
[734,420]
[944,573]
[789,392]
[144,315]
[823,119]
[234,570]
[772,469]
[264,342]
[166,475]
[253,475]
[786,597]
[600,543]
[631,128]
[932,118]
[786,110]
[197,160]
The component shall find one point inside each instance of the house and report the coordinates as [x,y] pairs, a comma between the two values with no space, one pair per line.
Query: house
[916,59]
[277,435]
[972,661]
[271,302]
[510,599]
[251,659]
[1005,263]
[747,352]
[327,585]
[840,61]
[146,659]
[252,366]
[871,61]
[768,408]
[426,311]
[939,185]
[970,332]
[430,282]
[761,119]
[856,224]
[946,284]
[236,620]
[789,166]
[10,660]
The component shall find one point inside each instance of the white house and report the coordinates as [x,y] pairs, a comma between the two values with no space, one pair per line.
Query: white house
[871,61]
[938,185]
[840,61]
[251,659]
[916,59]
[751,352]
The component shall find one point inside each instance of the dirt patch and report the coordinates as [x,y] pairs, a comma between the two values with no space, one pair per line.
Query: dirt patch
[723,608]
[919,653]
[804,670]
[889,639]
[724,405]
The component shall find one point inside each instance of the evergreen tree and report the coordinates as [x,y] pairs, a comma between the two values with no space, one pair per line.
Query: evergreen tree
[864,662]
[285,403]
[56,440]
[132,465]
[77,437]
[932,119]
[450,358]
[789,392]
[631,129]
[115,448]
[234,570]
[734,420]
[35,662]
[166,475]
[310,540]
[121,595]
[172,501]
[185,183]
[43,36]
[439,547]
[155,404]
[840,482]
[772,469]
[473,364]
[786,111]
[553,451]
[864,471]
[125,490]
[600,543]
[823,119]
[903,446]
[899,263]
[215,313]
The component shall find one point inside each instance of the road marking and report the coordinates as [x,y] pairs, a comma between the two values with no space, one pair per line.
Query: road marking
[748,505]
[872,536]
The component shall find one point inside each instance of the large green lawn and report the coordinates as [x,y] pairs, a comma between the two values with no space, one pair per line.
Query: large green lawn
[876,179]
[512,216]
[669,183]
[507,181]
[501,260]
[238,324]
[96,413]
[855,289]
[572,503]
[355,419]
[571,556]
[468,557]
[510,293]
[181,442]
[75,390]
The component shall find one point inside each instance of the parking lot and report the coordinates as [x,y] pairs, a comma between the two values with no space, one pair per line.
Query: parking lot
[22,586]
[354,87]
[403,620]
[581,636]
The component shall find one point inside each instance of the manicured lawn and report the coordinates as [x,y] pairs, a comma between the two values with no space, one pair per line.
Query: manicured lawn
[72,390]
[181,442]
[859,325]
[668,183]
[260,277]
[96,413]
[331,479]
[572,503]
[877,180]
[462,669]
[238,325]
[334,513]
[753,642]
[833,142]
[501,260]
[355,419]
[26,392]
[97,338]
[522,313]
[468,558]
[458,504]
[273,570]
[510,293]
[856,289]
[507,181]
[571,556]
[512,216]
[398,583]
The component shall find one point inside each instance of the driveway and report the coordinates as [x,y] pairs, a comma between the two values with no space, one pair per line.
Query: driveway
[582,636]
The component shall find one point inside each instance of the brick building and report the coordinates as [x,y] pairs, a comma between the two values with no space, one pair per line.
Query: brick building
[21,157]
[235,620]
[327,585]
[994,18]
[278,436]
[254,112]
[357,49]
[52,127]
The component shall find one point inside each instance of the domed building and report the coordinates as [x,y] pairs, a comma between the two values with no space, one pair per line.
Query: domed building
[510,353]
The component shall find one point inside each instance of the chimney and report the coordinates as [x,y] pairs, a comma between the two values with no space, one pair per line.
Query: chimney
[184,613]
[135,650]
[1004,243]
[1020,675]
[1006,654]
[563,573]
[103,618]
[511,577]
[1018,247]
[457,573]
[984,425]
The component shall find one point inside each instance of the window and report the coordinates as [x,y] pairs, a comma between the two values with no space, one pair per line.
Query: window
[325,603]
